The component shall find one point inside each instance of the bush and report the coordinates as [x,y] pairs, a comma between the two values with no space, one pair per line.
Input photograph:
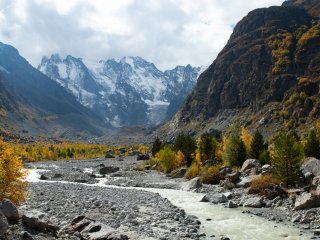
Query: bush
[211,175]
[193,170]
[261,183]
[168,159]
[12,185]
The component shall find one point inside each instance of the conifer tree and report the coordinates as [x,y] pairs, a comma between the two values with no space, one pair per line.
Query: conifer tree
[312,146]
[156,146]
[257,145]
[187,145]
[287,157]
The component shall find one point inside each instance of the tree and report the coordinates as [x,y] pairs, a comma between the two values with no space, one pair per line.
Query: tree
[235,150]
[156,146]
[312,146]
[187,145]
[12,185]
[168,159]
[257,146]
[247,139]
[286,157]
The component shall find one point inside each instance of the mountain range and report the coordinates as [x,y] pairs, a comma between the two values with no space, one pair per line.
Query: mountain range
[126,92]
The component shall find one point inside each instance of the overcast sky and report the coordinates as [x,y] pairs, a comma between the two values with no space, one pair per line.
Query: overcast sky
[166,32]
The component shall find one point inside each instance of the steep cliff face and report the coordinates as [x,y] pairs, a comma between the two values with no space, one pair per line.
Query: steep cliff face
[272,56]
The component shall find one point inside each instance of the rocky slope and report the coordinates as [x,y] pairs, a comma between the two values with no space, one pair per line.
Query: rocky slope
[266,75]
[125,92]
[32,103]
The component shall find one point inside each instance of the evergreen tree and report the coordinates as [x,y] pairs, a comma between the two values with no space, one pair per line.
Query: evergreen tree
[287,157]
[187,145]
[235,150]
[312,146]
[257,146]
[156,146]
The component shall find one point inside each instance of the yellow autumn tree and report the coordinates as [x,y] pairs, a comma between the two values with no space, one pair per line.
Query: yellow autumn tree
[12,184]
[247,138]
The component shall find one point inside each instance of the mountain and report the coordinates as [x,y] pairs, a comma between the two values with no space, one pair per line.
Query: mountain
[265,77]
[31,102]
[126,92]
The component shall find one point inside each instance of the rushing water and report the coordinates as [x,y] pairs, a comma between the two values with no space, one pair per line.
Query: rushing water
[224,221]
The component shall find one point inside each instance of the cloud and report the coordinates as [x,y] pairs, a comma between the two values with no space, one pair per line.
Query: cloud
[166,32]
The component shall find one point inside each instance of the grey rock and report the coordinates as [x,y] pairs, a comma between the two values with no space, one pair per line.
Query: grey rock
[316,181]
[228,185]
[194,183]
[180,173]
[225,170]
[143,157]
[246,181]
[4,226]
[234,176]
[318,190]
[249,164]
[109,155]
[9,210]
[108,170]
[232,204]
[228,195]
[306,201]
[35,219]
[214,198]
[311,165]
[267,168]
[255,202]
[296,218]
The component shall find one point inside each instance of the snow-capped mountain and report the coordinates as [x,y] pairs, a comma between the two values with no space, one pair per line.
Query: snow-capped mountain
[125,92]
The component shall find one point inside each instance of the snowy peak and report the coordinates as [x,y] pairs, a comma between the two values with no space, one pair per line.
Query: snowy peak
[126,92]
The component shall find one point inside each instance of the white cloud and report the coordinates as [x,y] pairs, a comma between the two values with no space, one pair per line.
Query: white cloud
[166,32]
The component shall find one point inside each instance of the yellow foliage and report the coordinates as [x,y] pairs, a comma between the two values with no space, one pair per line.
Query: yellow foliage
[167,159]
[260,184]
[193,170]
[312,33]
[211,175]
[247,139]
[199,153]
[12,185]
[180,158]
[220,149]
[143,149]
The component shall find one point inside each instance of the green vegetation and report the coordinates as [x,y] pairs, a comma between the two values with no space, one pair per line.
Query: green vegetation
[260,184]
[187,145]
[156,146]
[211,174]
[312,145]
[259,149]
[235,150]
[168,159]
[287,157]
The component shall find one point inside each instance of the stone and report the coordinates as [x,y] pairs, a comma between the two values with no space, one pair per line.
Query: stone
[43,177]
[109,155]
[267,169]
[233,177]
[180,173]
[306,201]
[143,157]
[318,190]
[255,202]
[249,164]
[246,181]
[194,183]
[225,170]
[108,170]
[9,210]
[35,219]
[316,181]
[228,185]
[232,204]
[311,165]
[296,218]
[308,176]
[228,195]
[4,226]
[214,198]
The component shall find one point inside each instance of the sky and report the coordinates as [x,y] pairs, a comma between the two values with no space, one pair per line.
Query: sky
[165,32]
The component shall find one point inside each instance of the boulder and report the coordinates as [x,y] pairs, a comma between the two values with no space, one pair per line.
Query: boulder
[225,170]
[232,204]
[214,198]
[318,190]
[108,170]
[233,177]
[109,155]
[143,157]
[227,184]
[307,201]
[311,165]
[316,181]
[266,169]
[246,181]
[308,176]
[9,210]
[194,183]
[249,164]
[36,220]
[4,226]
[255,202]
[180,173]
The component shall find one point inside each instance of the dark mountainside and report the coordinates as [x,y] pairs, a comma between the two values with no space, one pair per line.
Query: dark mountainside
[266,76]
[31,103]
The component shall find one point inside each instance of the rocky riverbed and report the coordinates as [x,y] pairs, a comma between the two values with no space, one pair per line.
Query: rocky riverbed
[104,199]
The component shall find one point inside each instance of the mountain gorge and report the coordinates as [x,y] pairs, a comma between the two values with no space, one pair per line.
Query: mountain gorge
[266,76]
[125,92]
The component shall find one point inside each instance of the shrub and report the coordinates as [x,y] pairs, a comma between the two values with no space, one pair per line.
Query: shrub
[211,175]
[312,145]
[261,183]
[193,170]
[12,185]
[167,159]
